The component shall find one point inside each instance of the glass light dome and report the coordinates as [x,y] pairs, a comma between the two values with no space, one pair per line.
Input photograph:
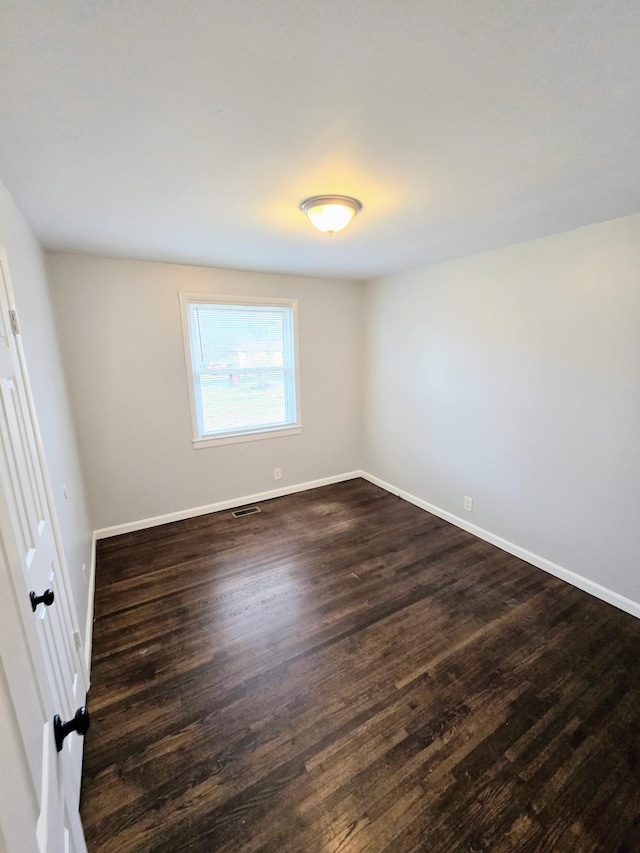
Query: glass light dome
[330,213]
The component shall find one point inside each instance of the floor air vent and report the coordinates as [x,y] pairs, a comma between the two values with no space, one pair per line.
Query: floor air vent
[250,510]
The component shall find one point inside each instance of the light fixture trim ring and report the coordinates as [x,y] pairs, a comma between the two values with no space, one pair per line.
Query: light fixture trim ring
[316,200]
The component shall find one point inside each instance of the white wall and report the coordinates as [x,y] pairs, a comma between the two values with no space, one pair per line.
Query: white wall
[33,302]
[120,330]
[514,377]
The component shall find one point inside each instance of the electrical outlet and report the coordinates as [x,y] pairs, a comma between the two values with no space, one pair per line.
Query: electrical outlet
[277,473]
[468,504]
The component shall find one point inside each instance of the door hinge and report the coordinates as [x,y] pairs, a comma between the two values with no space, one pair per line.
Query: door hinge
[15,326]
[77,640]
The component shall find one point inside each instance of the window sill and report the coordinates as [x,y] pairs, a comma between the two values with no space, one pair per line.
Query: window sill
[199,443]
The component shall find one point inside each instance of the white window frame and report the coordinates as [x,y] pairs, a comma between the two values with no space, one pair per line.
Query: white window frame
[199,440]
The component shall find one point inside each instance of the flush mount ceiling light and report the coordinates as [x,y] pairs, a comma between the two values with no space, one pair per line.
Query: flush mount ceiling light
[330,213]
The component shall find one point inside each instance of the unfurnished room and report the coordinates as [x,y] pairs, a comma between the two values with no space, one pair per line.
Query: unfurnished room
[319,418]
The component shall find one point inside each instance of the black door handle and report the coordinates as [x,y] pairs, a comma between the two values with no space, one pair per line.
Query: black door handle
[46,598]
[61,729]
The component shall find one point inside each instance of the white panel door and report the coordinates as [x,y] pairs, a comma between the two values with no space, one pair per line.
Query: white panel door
[54,680]
[34,816]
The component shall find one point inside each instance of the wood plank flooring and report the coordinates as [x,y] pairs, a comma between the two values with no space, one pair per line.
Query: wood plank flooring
[345,673]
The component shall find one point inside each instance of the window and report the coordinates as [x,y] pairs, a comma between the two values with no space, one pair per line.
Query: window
[242,367]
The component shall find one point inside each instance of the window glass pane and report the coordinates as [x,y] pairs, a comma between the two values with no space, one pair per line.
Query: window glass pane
[238,400]
[239,335]
[242,359]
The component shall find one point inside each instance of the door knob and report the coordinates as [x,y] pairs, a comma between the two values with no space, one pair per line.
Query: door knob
[61,729]
[46,598]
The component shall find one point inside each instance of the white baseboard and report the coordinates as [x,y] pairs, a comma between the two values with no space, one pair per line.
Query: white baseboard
[589,586]
[574,579]
[88,630]
[155,521]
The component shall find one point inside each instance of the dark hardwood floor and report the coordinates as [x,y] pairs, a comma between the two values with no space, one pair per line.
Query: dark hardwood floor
[344,672]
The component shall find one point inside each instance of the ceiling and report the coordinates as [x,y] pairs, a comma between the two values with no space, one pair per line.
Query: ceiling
[190,131]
